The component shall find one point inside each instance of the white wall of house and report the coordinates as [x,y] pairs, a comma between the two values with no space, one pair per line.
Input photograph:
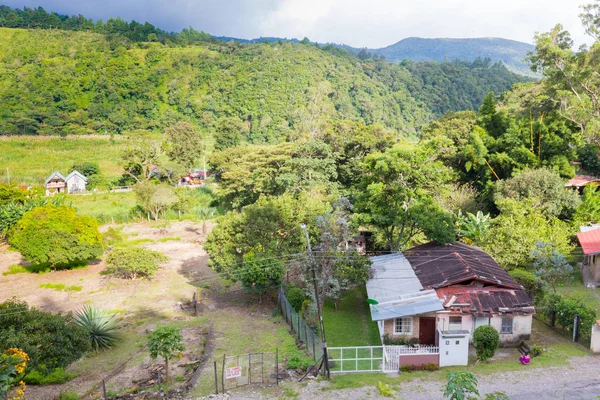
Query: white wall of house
[595,342]
[521,328]
[450,322]
[76,184]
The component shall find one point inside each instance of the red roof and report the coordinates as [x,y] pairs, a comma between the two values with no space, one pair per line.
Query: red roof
[581,180]
[590,241]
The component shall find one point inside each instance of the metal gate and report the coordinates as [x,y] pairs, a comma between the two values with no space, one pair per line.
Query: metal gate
[246,369]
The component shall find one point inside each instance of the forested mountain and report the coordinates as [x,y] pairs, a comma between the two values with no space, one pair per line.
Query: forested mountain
[63,82]
[509,52]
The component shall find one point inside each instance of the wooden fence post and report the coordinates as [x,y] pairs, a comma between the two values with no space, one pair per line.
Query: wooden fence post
[277,365]
[103,388]
[223,374]
[216,379]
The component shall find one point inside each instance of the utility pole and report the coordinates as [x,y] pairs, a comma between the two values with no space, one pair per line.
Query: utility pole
[319,315]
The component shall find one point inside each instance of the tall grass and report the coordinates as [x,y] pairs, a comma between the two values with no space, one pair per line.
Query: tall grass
[30,160]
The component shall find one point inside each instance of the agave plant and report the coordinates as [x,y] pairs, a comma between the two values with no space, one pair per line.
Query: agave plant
[100,325]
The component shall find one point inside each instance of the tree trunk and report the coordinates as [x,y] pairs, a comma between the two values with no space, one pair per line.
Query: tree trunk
[166,370]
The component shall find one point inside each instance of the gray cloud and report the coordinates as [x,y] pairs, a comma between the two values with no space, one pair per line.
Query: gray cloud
[374,23]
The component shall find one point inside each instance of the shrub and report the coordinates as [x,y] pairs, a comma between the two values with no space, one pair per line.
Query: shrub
[536,350]
[564,309]
[51,340]
[486,340]
[68,396]
[56,377]
[395,341]
[56,235]
[461,385]
[422,367]
[100,326]
[133,262]
[296,297]
[385,390]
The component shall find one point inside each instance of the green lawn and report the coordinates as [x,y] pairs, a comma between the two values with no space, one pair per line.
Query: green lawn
[577,290]
[351,324]
[31,160]
[103,206]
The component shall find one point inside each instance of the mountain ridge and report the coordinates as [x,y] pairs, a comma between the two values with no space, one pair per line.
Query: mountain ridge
[508,51]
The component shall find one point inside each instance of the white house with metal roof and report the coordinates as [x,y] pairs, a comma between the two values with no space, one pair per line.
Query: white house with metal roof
[57,183]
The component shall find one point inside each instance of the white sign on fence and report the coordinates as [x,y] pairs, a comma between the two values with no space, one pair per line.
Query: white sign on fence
[234,372]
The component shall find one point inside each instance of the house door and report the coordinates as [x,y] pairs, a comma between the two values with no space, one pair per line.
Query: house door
[427,330]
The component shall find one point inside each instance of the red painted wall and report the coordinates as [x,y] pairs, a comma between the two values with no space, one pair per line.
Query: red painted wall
[419,359]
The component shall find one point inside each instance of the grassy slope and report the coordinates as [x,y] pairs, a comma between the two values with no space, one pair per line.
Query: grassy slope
[351,324]
[103,204]
[31,159]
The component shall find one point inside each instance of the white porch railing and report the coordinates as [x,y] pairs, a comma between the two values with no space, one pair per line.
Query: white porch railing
[355,359]
[372,358]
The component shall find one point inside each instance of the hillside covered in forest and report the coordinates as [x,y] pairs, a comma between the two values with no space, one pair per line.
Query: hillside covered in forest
[61,82]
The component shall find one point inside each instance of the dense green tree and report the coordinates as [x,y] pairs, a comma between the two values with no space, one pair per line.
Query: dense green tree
[141,160]
[395,196]
[185,144]
[550,265]
[56,235]
[512,237]
[155,198]
[544,187]
[269,228]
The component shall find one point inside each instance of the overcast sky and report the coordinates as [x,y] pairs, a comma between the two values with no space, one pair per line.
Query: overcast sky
[359,23]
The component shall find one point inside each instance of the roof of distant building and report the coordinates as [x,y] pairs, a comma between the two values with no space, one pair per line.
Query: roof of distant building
[54,175]
[590,241]
[581,180]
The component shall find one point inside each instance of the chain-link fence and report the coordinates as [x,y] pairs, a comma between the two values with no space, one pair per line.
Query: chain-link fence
[298,325]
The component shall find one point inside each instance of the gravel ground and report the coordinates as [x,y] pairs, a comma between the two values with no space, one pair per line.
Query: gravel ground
[581,380]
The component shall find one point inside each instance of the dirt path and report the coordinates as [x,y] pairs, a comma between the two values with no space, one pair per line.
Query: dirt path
[580,380]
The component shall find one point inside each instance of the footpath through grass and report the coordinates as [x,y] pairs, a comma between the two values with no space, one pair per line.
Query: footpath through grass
[350,324]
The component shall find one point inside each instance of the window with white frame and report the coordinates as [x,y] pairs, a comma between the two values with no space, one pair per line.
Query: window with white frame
[403,326]
[507,325]
[455,323]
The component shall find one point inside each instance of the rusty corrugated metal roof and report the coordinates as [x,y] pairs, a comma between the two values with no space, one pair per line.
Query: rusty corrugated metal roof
[444,265]
[486,300]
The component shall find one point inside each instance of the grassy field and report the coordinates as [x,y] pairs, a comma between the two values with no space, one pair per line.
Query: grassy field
[351,324]
[31,160]
[103,205]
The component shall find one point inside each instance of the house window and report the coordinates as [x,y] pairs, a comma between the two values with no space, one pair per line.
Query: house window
[507,325]
[403,326]
[455,324]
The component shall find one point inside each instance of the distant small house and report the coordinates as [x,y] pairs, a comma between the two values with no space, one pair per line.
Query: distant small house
[76,182]
[56,183]
[581,181]
[589,238]
[439,294]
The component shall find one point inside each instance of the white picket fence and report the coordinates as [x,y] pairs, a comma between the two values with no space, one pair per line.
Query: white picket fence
[372,358]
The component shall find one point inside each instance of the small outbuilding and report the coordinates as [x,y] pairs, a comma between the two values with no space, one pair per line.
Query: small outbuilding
[56,183]
[76,182]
